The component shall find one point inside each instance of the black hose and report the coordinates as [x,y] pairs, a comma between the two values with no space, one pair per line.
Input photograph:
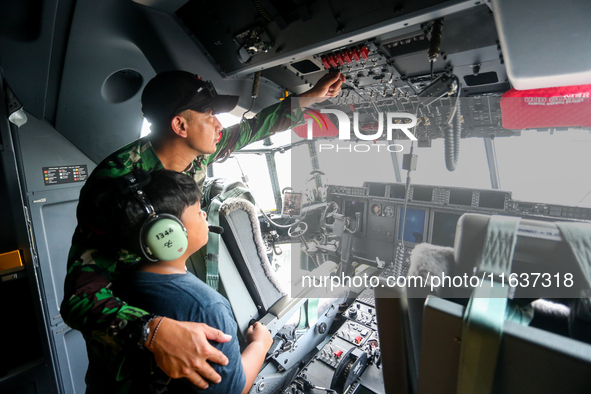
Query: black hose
[451,133]
[262,10]
[255,85]
[254,93]
[435,41]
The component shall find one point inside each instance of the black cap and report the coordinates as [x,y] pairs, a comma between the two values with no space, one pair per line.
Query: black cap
[172,92]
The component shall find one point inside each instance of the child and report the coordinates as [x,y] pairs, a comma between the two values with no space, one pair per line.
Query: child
[166,289]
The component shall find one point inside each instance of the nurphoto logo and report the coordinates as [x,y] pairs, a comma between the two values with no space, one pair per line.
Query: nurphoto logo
[394,121]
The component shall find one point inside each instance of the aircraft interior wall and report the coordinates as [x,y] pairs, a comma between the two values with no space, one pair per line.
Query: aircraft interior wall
[26,363]
[52,173]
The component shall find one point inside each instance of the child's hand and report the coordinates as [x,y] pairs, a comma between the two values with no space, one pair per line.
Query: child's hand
[259,333]
[253,357]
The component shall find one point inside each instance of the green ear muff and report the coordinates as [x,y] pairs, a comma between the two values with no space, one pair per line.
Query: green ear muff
[163,237]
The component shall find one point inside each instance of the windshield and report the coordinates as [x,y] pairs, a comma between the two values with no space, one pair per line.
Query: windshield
[536,166]
[549,167]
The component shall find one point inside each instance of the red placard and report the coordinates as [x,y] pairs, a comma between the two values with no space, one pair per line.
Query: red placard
[567,106]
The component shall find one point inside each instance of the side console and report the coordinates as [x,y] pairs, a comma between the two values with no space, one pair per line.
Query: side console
[349,362]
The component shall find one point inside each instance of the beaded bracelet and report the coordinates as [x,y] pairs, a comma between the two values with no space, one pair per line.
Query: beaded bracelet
[155,332]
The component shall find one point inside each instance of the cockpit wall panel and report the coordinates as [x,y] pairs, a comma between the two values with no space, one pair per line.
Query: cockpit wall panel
[114,49]
[89,113]
[53,172]
[32,45]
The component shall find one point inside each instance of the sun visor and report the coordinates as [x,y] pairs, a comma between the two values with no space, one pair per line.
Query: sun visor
[567,106]
[545,43]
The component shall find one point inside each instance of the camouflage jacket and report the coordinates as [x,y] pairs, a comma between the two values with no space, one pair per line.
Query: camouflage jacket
[89,305]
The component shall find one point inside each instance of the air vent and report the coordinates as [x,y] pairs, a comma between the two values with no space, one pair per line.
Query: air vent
[481,79]
[305,67]
[122,85]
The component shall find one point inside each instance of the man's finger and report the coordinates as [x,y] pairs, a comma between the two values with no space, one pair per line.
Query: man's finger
[207,372]
[337,84]
[335,76]
[213,334]
[335,89]
[331,78]
[217,357]
[197,380]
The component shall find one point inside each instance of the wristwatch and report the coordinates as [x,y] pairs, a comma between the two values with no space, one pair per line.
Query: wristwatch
[141,331]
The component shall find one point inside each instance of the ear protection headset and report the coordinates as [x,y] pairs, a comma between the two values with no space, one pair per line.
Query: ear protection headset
[162,236]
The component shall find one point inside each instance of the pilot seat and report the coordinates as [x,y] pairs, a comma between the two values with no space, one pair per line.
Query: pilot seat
[254,290]
[449,340]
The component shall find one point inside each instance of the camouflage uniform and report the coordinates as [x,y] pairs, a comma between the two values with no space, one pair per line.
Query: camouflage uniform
[89,305]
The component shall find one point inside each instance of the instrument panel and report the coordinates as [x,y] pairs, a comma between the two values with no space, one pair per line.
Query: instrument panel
[392,222]
[349,362]
[431,215]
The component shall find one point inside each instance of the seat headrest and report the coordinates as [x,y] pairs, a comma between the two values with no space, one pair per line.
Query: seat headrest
[218,186]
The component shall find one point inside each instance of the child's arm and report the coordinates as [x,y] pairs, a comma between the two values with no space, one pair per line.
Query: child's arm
[253,356]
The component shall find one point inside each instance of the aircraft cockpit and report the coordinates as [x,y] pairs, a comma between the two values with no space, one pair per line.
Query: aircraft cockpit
[425,230]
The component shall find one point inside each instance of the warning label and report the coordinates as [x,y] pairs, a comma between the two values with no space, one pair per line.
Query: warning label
[65,174]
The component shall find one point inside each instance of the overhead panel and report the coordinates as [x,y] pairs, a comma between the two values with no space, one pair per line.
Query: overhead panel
[241,35]
[382,49]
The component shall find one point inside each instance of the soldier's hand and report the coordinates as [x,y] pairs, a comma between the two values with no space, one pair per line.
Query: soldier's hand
[327,86]
[182,349]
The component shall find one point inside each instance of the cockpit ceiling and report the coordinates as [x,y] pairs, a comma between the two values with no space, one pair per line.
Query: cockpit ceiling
[291,42]
[382,48]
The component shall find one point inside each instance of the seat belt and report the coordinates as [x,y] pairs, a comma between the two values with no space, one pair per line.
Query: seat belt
[212,277]
[308,316]
[578,236]
[485,314]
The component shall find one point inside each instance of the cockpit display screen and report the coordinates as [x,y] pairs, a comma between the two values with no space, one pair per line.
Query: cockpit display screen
[422,194]
[292,204]
[397,191]
[444,228]
[492,200]
[460,197]
[414,227]
[377,190]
